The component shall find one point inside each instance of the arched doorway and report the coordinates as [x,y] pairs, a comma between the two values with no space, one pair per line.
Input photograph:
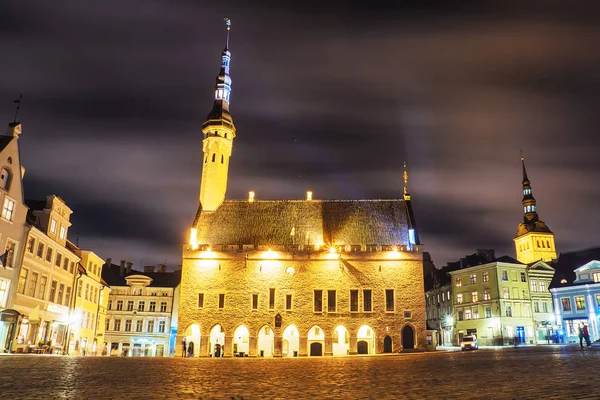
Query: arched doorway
[316,341]
[265,342]
[365,340]
[387,344]
[340,341]
[192,335]
[216,342]
[291,342]
[408,337]
[241,341]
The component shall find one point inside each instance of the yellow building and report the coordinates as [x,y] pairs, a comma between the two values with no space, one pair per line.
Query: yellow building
[12,231]
[534,240]
[295,277]
[46,278]
[493,302]
[88,314]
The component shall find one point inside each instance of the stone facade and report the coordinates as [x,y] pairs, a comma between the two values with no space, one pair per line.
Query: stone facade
[238,275]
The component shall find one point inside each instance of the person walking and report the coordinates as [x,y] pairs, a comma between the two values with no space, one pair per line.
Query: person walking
[586,335]
[184,350]
[191,349]
[580,329]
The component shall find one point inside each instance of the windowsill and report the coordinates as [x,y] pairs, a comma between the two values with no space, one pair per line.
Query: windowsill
[7,220]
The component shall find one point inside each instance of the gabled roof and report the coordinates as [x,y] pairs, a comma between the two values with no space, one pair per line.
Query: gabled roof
[568,262]
[4,141]
[285,222]
[508,260]
[540,265]
[594,264]
[112,275]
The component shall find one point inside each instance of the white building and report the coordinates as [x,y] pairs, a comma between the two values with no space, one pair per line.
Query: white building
[141,315]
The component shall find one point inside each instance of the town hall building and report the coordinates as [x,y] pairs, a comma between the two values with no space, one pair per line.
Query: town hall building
[287,278]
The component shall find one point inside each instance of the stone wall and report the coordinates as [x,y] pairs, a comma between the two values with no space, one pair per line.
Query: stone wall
[238,275]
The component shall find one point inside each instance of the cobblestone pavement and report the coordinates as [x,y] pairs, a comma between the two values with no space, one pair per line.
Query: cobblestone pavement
[522,373]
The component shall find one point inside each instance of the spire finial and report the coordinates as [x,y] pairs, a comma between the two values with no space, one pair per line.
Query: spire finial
[524,170]
[18,103]
[405,176]
[228,28]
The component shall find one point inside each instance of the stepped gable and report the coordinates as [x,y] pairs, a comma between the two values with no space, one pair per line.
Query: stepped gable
[270,222]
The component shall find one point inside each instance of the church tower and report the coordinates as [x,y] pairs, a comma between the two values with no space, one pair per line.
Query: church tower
[534,240]
[219,132]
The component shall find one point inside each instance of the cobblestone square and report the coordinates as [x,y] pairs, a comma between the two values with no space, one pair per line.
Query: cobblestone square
[522,373]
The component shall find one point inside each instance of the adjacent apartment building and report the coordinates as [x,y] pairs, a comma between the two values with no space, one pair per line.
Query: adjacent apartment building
[141,318]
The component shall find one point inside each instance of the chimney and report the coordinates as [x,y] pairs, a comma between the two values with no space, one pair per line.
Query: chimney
[122,268]
[108,262]
[162,268]
[149,268]
[128,268]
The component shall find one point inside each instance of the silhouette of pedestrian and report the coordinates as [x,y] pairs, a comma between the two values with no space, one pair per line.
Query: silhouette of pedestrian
[184,344]
[580,329]
[586,335]
[191,349]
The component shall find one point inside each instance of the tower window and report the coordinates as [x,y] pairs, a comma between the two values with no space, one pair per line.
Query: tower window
[205,159]
[214,157]
[225,135]
[5,179]
[222,158]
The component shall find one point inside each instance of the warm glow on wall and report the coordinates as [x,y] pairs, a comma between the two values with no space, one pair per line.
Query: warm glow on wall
[309,195]
[193,238]
[270,254]
[251,196]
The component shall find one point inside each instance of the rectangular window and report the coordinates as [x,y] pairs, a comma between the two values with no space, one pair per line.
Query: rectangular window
[31,245]
[331,301]
[79,289]
[485,276]
[141,305]
[42,288]
[474,297]
[53,225]
[515,293]
[580,303]
[127,325]
[318,301]
[49,254]
[67,296]
[354,300]
[468,313]
[598,301]
[458,281]
[72,267]
[138,325]
[33,284]
[488,312]
[58,259]
[163,306]
[487,295]
[200,300]
[533,285]
[40,250]
[596,276]
[536,306]
[119,305]
[506,293]
[367,300]
[460,316]
[389,300]
[161,326]
[513,275]
[288,302]
[87,291]
[117,324]
[152,306]
[53,286]
[473,279]
[61,292]
[150,326]
[271,299]
[66,264]
[504,275]
[255,301]
[542,286]
[4,284]
[107,326]
[129,305]
[523,277]
[221,301]
[459,298]
[8,209]
[63,232]
[109,306]
[508,310]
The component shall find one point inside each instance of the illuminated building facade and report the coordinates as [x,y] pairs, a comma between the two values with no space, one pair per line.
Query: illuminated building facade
[46,278]
[141,318]
[534,240]
[578,302]
[286,278]
[12,231]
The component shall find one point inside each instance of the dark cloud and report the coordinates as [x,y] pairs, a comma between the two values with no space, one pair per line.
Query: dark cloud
[331,96]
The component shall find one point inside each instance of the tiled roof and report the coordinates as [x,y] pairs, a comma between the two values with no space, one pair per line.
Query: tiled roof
[567,263]
[272,222]
[111,274]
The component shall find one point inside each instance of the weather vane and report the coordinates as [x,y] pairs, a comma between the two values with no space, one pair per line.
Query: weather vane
[18,103]
[405,179]
[228,27]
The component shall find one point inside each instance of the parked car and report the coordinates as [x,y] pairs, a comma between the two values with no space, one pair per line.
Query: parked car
[469,343]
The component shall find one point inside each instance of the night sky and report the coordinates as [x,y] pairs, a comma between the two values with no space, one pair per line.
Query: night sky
[329,96]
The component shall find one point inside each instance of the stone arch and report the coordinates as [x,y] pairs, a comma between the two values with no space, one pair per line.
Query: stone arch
[340,341]
[241,341]
[290,341]
[216,340]
[316,341]
[365,340]
[265,341]
[191,334]
[409,337]
[387,344]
